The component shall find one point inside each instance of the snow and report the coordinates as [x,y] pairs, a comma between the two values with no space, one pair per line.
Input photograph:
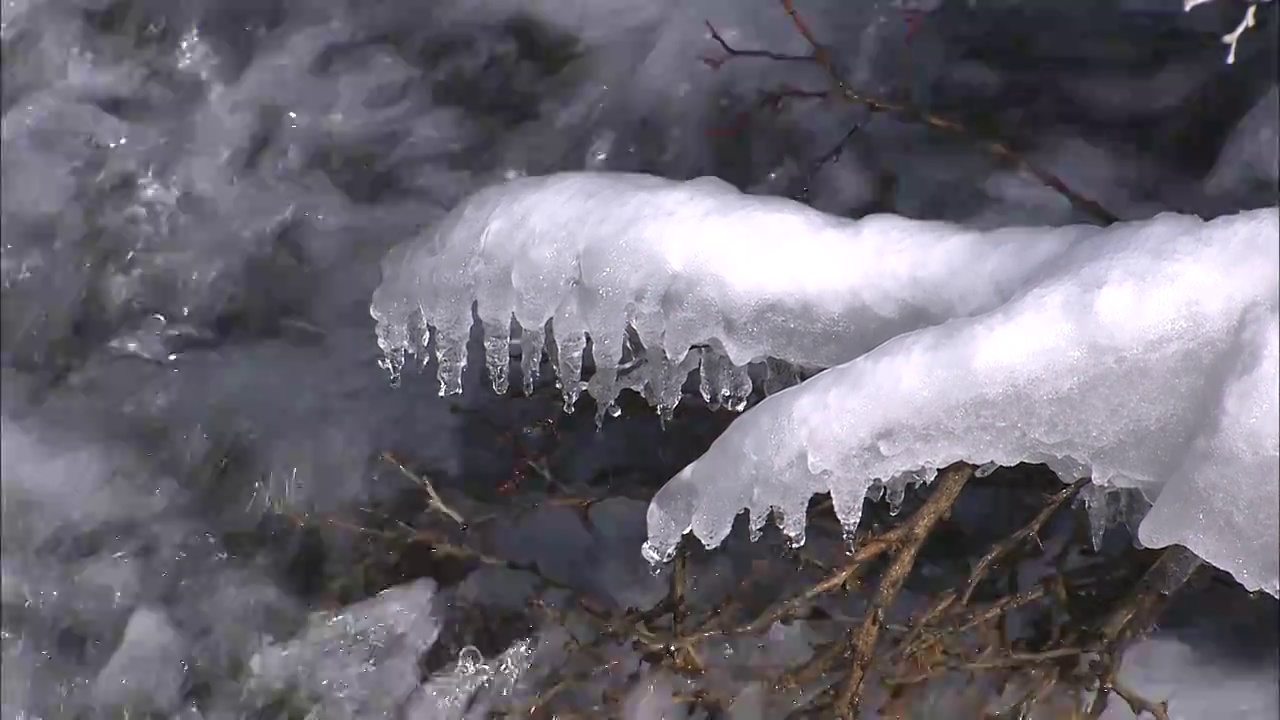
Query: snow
[682,264]
[1123,361]
[1099,351]
[197,196]
[472,686]
[1195,683]
[361,662]
[148,669]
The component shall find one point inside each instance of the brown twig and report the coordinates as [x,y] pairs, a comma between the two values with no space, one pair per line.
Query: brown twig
[863,640]
[1007,660]
[1006,546]
[939,640]
[433,498]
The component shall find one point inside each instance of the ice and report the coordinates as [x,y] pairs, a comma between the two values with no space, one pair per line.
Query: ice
[468,690]
[1145,354]
[685,264]
[147,671]
[361,662]
[749,704]
[1022,360]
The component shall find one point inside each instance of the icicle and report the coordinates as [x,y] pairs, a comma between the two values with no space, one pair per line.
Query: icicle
[795,535]
[1097,505]
[710,378]
[497,355]
[668,378]
[604,388]
[895,493]
[451,350]
[569,342]
[392,362]
[531,344]
[393,341]
[755,524]
[737,388]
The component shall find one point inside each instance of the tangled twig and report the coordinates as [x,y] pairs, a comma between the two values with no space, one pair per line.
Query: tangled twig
[954,633]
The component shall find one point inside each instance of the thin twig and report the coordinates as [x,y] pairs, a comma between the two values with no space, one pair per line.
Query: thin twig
[997,148]
[830,156]
[863,640]
[732,52]
[434,500]
[1007,545]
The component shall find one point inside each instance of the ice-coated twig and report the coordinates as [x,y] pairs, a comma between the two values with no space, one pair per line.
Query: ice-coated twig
[1233,38]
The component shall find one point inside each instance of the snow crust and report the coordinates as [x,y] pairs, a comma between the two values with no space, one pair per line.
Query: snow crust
[1142,354]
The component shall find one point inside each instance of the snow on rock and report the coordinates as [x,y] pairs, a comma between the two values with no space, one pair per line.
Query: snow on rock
[471,687]
[1196,683]
[683,264]
[1144,356]
[359,663]
[147,670]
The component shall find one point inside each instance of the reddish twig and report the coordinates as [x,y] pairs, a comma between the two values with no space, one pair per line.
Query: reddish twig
[731,52]
[822,56]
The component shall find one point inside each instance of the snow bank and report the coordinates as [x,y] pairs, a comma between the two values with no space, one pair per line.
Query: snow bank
[1142,354]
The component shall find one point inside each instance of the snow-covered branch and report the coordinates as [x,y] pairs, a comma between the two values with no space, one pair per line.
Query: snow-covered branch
[685,265]
[1144,354]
